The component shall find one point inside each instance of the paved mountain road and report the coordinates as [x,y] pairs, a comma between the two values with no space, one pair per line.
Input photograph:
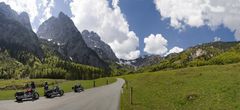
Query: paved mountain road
[99,98]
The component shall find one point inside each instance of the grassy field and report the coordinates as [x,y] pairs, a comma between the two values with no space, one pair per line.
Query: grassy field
[66,85]
[197,88]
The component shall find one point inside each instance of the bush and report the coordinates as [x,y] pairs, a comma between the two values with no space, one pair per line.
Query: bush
[226,58]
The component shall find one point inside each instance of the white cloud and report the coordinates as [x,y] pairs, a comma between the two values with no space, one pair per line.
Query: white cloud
[35,8]
[28,6]
[216,39]
[47,5]
[197,13]
[109,23]
[155,44]
[115,3]
[174,50]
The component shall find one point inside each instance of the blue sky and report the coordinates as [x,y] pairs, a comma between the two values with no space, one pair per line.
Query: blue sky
[139,27]
[144,19]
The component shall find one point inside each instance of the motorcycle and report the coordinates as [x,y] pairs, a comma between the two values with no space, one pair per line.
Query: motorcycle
[56,91]
[29,94]
[78,88]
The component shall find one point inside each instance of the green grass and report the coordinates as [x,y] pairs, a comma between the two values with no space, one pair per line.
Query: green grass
[66,85]
[197,88]
[8,84]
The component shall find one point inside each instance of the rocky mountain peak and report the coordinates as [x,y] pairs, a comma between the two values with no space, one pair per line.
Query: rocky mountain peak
[62,31]
[92,35]
[15,36]
[24,19]
[61,15]
[58,29]
[8,13]
[94,41]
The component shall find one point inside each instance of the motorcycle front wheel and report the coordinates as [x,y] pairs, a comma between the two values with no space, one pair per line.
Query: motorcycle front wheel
[35,96]
[61,92]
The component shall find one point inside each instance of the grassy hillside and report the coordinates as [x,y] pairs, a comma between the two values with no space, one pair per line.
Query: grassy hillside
[7,86]
[53,66]
[215,53]
[194,88]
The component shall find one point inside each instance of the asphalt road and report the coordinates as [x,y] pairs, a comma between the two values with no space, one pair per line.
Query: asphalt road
[99,98]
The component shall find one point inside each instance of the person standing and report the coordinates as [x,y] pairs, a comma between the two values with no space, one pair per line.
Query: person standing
[33,86]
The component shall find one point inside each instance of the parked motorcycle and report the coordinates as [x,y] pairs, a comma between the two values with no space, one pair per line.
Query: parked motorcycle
[26,95]
[78,88]
[56,91]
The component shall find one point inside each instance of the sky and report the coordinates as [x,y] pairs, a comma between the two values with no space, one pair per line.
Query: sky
[143,27]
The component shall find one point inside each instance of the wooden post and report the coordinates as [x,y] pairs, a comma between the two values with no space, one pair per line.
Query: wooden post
[126,84]
[131,95]
[107,81]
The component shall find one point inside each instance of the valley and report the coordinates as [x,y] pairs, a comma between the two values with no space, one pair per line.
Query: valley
[112,65]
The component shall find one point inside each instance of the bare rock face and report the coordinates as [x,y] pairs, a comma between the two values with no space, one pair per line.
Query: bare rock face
[61,30]
[16,33]
[24,20]
[103,50]
[8,13]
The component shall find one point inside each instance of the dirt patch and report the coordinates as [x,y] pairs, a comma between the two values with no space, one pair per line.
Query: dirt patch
[192,97]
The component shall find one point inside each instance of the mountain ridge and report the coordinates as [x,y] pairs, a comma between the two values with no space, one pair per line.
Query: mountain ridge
[62,30]
[94,42]
[15,35]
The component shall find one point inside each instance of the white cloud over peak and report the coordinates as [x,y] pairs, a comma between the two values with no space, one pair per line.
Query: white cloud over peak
[28,6]
[109,23]
[174,50]
[155,44]
[38,10]
[47,6]
[196,13]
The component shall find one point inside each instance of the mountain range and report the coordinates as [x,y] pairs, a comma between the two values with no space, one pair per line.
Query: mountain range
[62,31]
[59,50]
[57,39]
[213,53]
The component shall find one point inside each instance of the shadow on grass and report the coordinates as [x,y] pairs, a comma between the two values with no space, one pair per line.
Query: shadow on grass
[136,103]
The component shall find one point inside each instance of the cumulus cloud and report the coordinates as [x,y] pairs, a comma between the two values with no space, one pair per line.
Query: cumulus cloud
[109,23]
[38,10]
[115,3]
[216,39]
[155,44]
[196,13]
[23,5]
[47,6]
[174,50]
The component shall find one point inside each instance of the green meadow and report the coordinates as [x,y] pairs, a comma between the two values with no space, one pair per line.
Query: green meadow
[195,88]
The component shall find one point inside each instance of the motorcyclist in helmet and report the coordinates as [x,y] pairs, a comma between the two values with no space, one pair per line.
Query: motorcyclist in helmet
[33,86]
[45,86]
